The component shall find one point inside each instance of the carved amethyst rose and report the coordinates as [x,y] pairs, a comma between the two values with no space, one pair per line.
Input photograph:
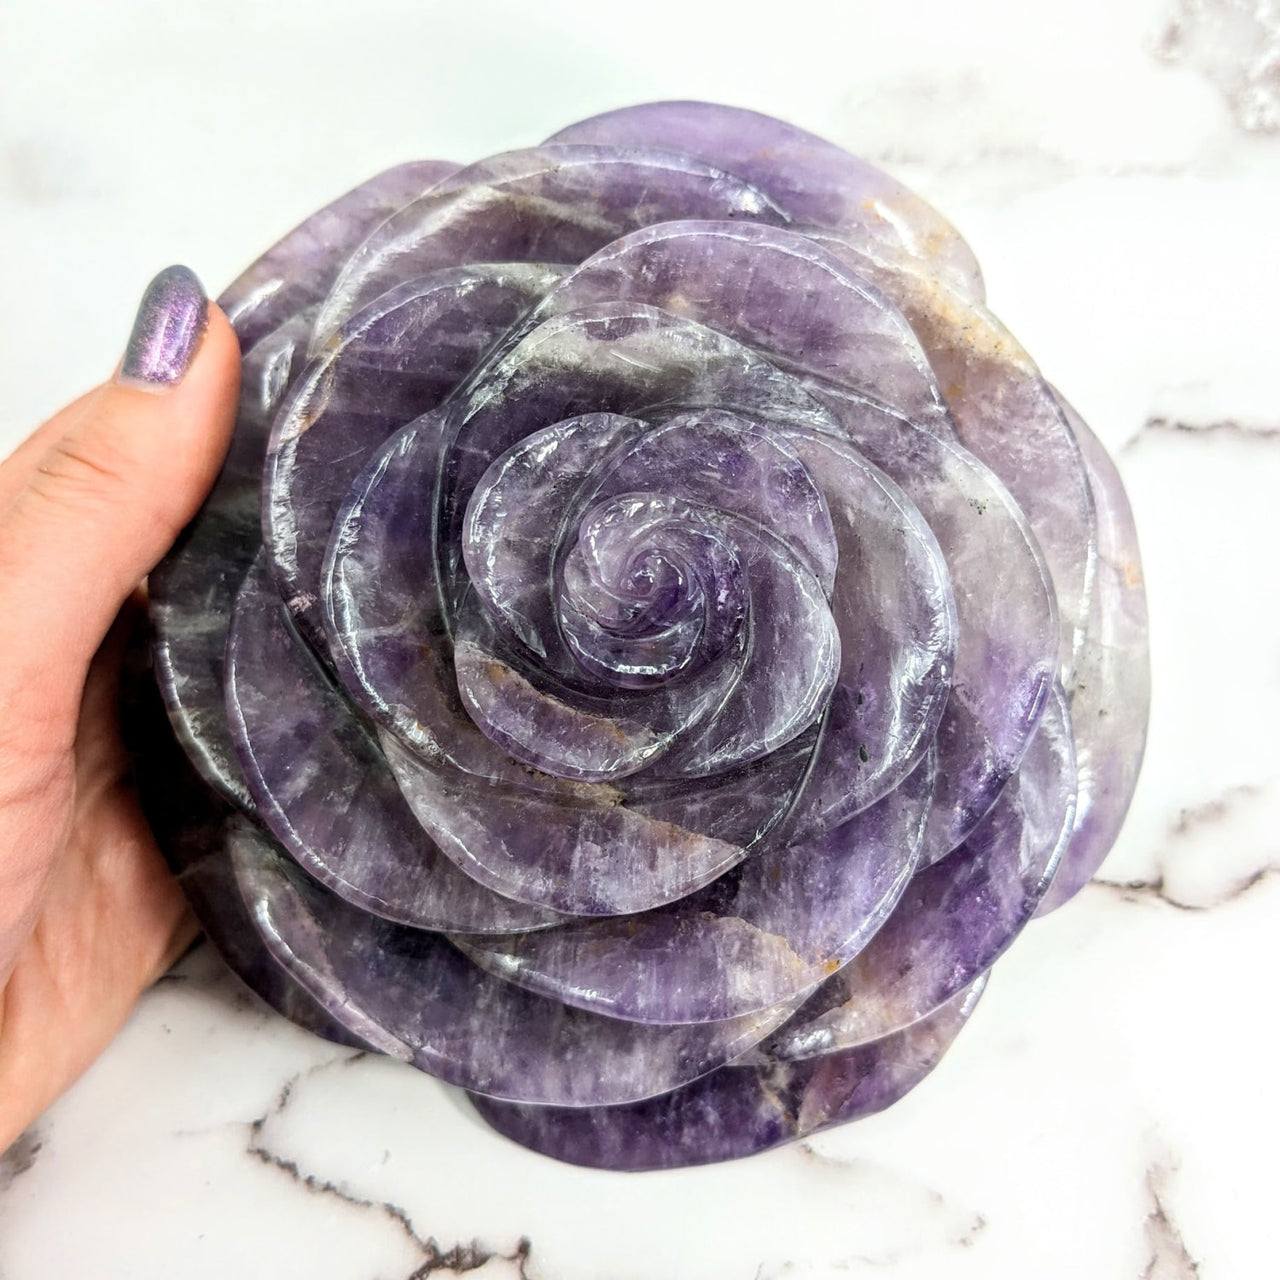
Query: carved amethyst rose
[657,637]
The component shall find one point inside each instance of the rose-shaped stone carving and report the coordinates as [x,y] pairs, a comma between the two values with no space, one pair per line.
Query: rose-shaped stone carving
[657,638]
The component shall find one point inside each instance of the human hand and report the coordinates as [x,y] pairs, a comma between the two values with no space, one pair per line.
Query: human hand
[89,914]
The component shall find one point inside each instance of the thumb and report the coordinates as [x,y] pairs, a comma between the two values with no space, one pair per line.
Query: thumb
[111,493]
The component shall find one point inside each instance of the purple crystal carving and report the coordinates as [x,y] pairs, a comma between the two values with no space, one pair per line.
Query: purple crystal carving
[655,642]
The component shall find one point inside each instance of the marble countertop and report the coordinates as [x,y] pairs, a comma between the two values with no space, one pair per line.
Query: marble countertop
[1110,1111]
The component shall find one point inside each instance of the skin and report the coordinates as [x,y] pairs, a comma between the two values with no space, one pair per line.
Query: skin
[89,914]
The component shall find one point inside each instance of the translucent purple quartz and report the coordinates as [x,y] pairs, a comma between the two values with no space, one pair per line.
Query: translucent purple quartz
[655,642]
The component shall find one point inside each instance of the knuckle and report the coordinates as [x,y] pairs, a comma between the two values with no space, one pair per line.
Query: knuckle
[100,476]
[94,466]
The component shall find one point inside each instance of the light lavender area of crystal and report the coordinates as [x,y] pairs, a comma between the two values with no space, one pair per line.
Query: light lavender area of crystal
[1007,642]
[774,290]
[581,855]
[896,615]
[1007,416]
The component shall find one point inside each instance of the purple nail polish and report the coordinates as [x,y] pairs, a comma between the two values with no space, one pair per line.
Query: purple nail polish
[170,322]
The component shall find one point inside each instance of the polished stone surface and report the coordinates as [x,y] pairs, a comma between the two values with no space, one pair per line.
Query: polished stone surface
[755,1103]
[608,693]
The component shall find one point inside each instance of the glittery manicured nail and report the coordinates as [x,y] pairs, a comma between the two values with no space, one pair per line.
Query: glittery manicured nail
[170,322]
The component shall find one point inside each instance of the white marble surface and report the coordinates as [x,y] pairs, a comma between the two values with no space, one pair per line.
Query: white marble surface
[1110,1112]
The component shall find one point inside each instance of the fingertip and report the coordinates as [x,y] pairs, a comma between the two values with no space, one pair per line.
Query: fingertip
[219,344]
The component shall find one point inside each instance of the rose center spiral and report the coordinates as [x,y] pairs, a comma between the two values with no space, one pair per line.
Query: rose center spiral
[652,588]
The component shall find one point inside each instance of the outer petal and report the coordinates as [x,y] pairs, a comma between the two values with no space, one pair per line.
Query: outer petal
[193,828]
[581,856]
[1008,636]
[298,271]
[323,787]
[413,996]
[814,180]
[1111,695]
[546,204]
[770,930]
[1007,416]
[957,917]
[191,590]
[744,1108]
